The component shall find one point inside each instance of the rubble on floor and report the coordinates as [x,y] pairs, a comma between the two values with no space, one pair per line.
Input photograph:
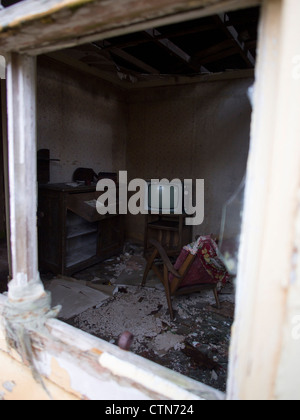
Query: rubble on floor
[195,344]
[106,300]
[144,313]
[126,269]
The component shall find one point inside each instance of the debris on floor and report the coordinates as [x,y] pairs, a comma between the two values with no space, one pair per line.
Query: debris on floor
[166,341]
[227,309]
[126,269]
[195,344]
[200,358]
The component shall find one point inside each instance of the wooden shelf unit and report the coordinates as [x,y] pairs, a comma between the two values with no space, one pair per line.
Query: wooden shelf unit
[72,235]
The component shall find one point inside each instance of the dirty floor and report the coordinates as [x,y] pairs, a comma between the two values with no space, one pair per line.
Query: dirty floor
[196,344]
[107,300]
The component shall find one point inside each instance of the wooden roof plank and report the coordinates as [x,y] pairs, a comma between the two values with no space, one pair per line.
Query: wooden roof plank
[134,61]
[232,33]
[175,51]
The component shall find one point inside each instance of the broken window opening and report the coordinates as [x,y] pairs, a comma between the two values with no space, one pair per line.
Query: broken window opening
[111,299]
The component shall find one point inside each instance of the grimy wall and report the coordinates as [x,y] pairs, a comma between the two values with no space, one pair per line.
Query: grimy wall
[199,130]
[81,119]
[193,131]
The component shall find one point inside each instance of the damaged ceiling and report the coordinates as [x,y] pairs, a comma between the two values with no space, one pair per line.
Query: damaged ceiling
[203,46]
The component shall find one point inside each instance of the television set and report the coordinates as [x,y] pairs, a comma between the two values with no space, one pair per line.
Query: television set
[164,197]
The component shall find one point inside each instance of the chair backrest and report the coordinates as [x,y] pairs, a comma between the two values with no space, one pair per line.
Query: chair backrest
[211,259]
[199,263]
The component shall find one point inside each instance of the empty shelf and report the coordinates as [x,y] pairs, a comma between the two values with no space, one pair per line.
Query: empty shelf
[80,230]
[78,256]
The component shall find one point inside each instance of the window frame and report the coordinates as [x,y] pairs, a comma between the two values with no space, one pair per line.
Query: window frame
[256,361]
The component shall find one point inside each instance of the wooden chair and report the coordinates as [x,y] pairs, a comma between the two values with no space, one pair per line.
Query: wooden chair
[176,279]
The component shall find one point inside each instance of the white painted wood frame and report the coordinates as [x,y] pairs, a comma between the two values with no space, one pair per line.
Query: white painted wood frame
[21,104]
[265,345]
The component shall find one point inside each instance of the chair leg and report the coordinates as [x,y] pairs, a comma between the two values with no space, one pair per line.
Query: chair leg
[168,292]
[149,266]
[217,298]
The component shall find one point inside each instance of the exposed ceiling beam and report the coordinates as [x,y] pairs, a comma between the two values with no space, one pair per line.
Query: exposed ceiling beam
[125,56]
[134,61]
[170,34]
[156,36]
[232,33]
[172,48]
